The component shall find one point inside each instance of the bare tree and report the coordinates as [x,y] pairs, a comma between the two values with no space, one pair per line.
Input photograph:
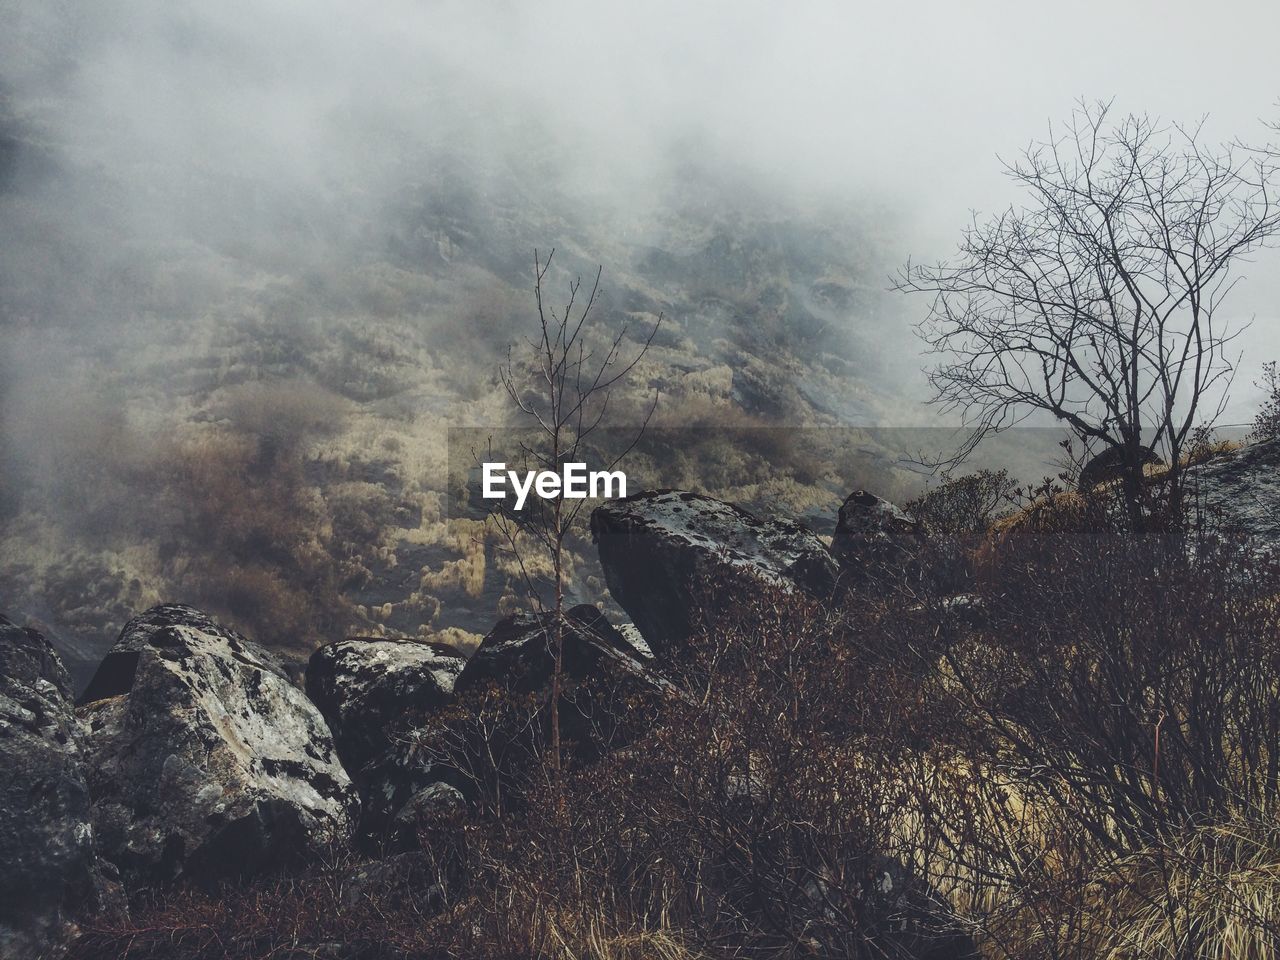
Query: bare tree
[1099,300]
[563,387]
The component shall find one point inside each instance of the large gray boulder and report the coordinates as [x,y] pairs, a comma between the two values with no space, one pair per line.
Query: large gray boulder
[51,879]
[607,686]
[375,693]
[366,686]
[660,549]
[205,761]
[1241,488]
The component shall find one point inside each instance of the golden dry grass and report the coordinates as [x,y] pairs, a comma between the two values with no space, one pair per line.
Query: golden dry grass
[1214,895]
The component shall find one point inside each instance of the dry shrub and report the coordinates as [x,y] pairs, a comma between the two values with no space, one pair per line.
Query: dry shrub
[250,537]
[244,531]
[330,911]
[1079,763]
[286,411]
[963,508]
[955,517]
[1114,772]
[741,813]
[1266,424]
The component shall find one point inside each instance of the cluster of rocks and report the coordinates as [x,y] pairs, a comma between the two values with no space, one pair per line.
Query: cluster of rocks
[191,754]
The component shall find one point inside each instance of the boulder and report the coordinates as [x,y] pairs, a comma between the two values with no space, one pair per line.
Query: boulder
[374,692]
[433,805]
[115,673]
[52,880]
[1108,466]
[517,653]
[659,549]
[366,686]
[205,761]
[435,801]
[1240,489]
[875,542]
[606,684]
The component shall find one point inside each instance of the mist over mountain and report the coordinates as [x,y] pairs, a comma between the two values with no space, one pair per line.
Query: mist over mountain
[256,258]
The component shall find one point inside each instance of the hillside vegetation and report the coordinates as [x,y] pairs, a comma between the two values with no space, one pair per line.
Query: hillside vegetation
[1074,757]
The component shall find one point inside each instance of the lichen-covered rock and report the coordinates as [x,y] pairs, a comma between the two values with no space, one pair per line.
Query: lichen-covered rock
[204,760]
[437,807]
[366,686]
[433,801]
[374,692]
[518,652]
[51,879]
[659,548]
[875,542]
[1241,488]
[115,673]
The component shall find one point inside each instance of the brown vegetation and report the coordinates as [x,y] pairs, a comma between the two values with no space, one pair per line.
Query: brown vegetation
[1073,765]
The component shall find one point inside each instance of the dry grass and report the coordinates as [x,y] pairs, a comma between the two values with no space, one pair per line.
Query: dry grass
[594,943]
[1085,770]
[1213,893]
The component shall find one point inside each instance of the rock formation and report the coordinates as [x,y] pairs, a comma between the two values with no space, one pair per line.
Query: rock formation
[604,680]
[517,653]
[374,692]
[204,760]
[660,548]
[52,879]
[875,541]
[1241,488]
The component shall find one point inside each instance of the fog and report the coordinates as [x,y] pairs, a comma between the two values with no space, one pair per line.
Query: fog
[193,196]
[336,106]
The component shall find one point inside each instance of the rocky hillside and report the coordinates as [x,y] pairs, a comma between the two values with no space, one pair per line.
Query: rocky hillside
[193,756]
[255,420]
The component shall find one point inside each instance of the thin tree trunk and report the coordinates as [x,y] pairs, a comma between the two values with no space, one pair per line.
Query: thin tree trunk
[558,651]
[1131,485]
[559,668]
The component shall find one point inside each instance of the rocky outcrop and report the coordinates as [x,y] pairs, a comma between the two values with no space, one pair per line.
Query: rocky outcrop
[374,692]
[1241,489]
[115,673]
[875,542]
[205,760]
[366,686]
[1108,466]
[604,683]
[660,549]
[382,700]
[517,653]
[51,880]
